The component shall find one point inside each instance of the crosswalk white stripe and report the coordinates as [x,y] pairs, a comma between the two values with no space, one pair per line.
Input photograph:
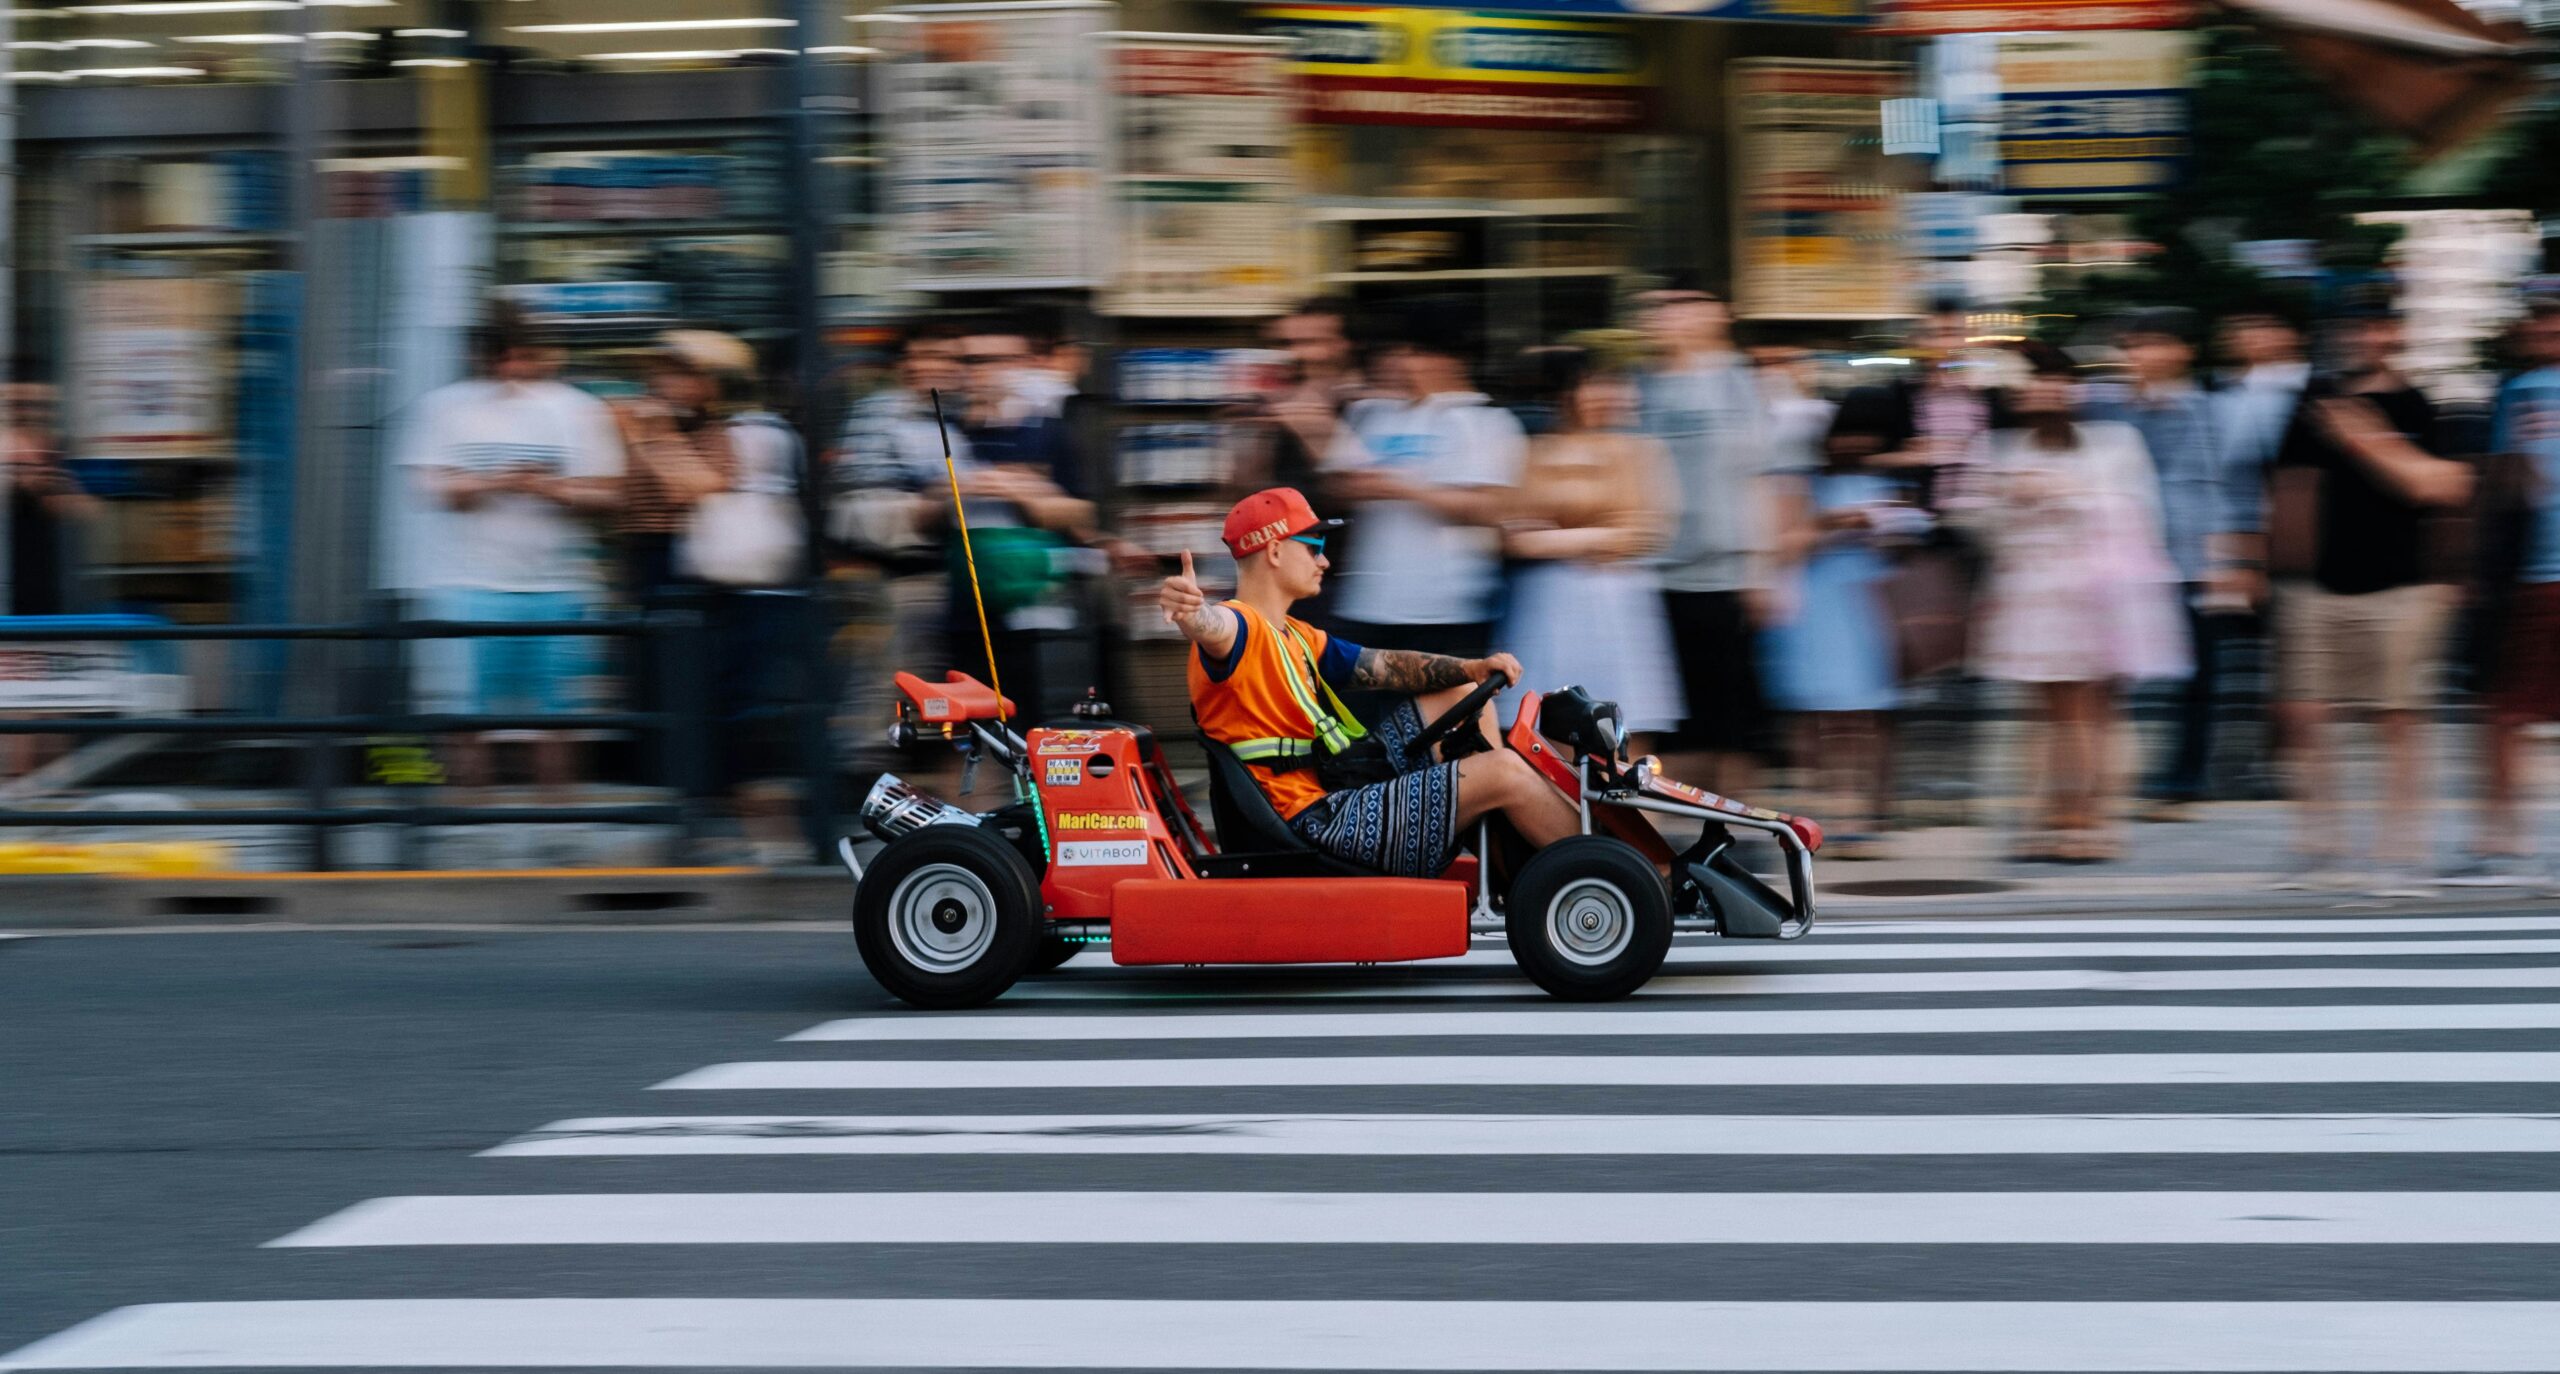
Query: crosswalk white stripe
[1367,986]
[1486,1134]
[769,1333]
[2199,925]
[1097,1218]
[1572,1022]
[1819,950]
[1668,1071]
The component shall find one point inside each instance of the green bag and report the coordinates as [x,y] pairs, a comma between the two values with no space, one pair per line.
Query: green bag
[1014,566]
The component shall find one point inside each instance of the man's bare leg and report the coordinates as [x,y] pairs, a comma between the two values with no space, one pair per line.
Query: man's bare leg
[1505,782]
[2306,731]
[2403,840]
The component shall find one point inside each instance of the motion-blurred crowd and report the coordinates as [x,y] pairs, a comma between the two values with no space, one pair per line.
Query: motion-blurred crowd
[1765,555]
[1768,557]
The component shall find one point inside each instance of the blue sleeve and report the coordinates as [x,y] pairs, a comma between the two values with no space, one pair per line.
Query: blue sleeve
[2502,425]
[1219,669]
[1341,657]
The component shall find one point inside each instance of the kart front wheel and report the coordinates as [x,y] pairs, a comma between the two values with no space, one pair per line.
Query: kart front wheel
[948,917]
[1588,919]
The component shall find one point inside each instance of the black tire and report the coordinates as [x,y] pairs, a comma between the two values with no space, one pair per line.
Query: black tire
[1588,919]
[1054,950]
[948,917]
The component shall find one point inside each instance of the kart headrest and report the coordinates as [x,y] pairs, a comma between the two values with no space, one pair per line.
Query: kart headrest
[957,698]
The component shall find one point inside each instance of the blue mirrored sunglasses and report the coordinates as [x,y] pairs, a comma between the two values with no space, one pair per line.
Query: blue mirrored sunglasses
[1313,541]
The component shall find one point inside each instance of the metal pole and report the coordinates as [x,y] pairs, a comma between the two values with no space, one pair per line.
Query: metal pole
[810,223]
[8,257]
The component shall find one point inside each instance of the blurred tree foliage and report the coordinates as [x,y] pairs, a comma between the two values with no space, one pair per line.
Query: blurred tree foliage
[2274,156]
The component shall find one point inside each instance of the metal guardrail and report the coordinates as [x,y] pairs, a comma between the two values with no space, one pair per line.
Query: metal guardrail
[675,640]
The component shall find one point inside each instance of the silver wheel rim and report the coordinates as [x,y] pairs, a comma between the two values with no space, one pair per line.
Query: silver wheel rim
[1591,921]
[942,918]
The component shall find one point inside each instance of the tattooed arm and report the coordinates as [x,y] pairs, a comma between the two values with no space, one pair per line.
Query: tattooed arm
[1400,670]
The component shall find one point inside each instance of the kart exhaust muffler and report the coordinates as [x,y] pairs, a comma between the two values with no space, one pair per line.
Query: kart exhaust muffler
[894,807]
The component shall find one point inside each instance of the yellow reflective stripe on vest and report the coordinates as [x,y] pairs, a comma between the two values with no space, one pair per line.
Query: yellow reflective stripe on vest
[1271,750]
[1334,731]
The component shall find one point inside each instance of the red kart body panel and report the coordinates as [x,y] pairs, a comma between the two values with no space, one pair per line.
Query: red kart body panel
[957,699]
[1288,921]
[1105,810]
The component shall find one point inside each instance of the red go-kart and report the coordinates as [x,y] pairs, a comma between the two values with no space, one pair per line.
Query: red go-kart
[1099,849]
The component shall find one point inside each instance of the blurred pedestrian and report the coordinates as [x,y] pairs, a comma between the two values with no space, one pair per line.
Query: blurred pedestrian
[885,488]
[2081,595]
[46,507]
[2360,617]
[1052,379]
[715,483]
[46,503]
[1594,506]
[1013,414]
[2255,410]
[1701,402]
[2516,636]
[1281,438]
[1922,422]
[1428,471]
[1829,648]
[528,466]
[2209,518]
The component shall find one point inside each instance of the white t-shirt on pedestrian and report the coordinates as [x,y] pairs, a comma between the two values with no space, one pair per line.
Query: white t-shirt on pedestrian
[1411,566]
[512,542]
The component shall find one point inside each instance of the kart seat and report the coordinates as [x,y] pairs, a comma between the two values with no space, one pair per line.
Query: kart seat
[1252,839]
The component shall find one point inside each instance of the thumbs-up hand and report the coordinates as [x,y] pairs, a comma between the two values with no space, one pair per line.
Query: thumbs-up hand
[1180,597]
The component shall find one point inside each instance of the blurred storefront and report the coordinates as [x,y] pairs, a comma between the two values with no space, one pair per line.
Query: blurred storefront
[249,233]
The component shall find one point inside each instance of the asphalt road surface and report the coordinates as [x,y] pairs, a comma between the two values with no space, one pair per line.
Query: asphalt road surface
[2298,1143]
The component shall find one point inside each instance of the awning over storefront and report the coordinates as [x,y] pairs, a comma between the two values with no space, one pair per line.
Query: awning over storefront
[2429,69]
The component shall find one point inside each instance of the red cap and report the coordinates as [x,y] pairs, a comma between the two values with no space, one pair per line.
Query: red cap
[1275,513]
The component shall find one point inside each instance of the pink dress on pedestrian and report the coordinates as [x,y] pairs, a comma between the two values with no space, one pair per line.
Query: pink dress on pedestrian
[2081,588]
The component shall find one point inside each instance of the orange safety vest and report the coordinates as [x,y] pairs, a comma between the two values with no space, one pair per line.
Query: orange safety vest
[1275,708]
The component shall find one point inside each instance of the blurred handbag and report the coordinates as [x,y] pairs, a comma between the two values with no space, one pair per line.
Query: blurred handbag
[1928,603]
[749,535]
[743,539]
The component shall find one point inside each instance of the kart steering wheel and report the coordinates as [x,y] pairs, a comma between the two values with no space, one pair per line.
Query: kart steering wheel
[1458,715]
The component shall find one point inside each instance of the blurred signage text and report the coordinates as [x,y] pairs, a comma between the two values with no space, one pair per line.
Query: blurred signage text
[2092,114]
[2009,16]
[1817,232]
[1359,65]
[1205,190]
[994,116]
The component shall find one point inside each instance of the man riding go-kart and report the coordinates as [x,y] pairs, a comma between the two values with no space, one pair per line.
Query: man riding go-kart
[1267,686]
[1334,843]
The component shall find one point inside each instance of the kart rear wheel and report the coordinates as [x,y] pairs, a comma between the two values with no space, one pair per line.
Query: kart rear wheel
[1588,919]
[948,917]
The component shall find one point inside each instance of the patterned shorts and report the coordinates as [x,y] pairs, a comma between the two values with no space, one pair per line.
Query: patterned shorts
[1405,827]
